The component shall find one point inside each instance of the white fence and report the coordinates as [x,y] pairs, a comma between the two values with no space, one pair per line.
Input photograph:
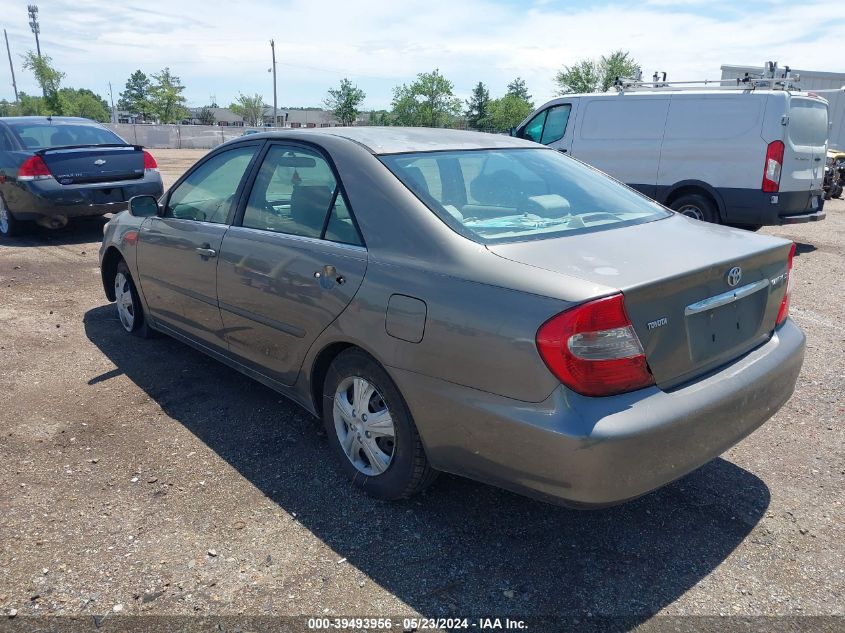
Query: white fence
[179,136]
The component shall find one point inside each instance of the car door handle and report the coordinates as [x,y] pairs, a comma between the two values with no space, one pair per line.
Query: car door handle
[206,251]
[329,273]
[561,150]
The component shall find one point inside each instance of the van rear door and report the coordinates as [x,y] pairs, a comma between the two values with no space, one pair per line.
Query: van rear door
[805,147]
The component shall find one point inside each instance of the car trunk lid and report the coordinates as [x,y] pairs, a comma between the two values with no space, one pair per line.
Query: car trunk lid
[94,163]
[676,276]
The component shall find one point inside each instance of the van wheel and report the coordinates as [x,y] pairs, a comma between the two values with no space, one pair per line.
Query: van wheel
[695,206]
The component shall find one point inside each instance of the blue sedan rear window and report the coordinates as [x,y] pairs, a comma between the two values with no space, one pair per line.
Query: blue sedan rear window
[517,194]
[39,135]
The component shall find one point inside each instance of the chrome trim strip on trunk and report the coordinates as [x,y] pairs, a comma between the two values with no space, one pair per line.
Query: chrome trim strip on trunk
[725,298]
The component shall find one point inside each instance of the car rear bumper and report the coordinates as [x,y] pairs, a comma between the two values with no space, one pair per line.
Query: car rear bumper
[756,207]
[39,199]
[601,451]
[803,217]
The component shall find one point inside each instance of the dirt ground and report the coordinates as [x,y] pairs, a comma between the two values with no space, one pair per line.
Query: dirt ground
[140,477]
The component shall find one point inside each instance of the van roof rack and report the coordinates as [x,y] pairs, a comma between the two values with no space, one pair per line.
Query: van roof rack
[772,78]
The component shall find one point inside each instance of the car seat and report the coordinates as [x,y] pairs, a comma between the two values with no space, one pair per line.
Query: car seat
[308,207]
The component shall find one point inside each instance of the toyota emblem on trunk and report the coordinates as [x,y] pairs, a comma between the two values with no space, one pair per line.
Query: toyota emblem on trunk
[734,275]
[99,161]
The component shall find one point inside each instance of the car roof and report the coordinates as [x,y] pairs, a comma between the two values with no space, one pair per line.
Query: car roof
[399,140]
[43,120]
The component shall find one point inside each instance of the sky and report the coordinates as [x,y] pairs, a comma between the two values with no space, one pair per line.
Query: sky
[221,49]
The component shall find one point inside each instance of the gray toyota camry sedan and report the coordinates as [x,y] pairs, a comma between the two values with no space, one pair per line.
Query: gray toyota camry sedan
[464,302]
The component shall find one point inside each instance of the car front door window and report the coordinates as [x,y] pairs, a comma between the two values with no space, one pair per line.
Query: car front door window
[207,193]
[533,130]
[555,126]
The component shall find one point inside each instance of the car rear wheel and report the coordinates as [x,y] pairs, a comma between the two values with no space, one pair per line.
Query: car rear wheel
[696,206]
[130,313]
[371,430]
[9,226]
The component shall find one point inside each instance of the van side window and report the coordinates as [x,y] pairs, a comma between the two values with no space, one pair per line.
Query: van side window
[533,130]
[556,122]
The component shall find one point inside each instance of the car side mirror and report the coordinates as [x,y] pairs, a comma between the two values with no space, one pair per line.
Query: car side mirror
[512,131]
[143,206]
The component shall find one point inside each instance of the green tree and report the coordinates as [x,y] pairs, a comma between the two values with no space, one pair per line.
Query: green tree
[85,103]
[48,77]
[508,111]
[589,75]
[429,101]
[478,107]
[344,101]
[617,64]
[30,105]
[135,98]
[165,96]
[206,115]
[250,108]
[518,89]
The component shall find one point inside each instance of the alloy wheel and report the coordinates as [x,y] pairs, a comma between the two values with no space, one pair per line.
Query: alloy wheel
[364,426]
[123,300]
[4,219]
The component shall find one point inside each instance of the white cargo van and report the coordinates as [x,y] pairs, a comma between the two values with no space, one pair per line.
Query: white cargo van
[748,156]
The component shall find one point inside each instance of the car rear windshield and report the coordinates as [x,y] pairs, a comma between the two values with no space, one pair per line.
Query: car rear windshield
[519,194]
[39,135]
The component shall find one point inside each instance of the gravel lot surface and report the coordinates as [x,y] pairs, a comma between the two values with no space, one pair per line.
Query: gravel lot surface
[140,477]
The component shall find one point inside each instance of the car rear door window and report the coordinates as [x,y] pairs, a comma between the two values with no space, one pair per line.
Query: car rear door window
[296,192]
[207,193]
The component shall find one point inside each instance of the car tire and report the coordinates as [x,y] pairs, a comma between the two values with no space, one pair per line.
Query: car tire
[696,206]
[379,447]
[130,312]
[9,225]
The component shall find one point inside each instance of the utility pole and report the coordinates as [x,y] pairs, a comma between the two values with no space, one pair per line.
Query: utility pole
[11,65]
[275,104]
[113,113]
[33,24]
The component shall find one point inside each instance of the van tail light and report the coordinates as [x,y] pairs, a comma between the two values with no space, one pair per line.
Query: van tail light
[34,168]
[773,167]
[784,304]
[594,350]
[150,163]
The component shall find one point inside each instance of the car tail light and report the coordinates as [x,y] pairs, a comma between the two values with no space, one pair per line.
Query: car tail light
[772,167]
[150,162]
[594,350]
[34,168]
[784,304]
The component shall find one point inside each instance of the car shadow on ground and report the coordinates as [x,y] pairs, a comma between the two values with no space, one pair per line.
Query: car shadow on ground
[463,548]
[77,231]
[803,247]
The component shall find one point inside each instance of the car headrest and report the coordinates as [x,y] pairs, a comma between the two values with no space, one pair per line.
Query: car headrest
[61,137]
[416,180]
[501,188]
[309,205]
